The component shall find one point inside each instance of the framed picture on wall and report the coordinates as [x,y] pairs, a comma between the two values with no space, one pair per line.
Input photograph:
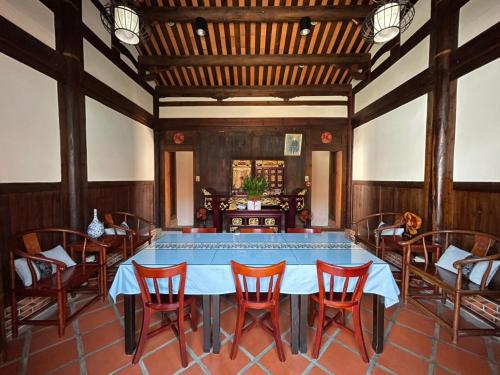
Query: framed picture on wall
[293,144]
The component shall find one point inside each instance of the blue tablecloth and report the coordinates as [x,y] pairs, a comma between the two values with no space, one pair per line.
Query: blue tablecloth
[208,257]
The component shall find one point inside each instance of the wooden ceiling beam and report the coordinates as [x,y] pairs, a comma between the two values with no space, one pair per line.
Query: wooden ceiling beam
[224,92]
[250,103]
[343,60]
[255,14]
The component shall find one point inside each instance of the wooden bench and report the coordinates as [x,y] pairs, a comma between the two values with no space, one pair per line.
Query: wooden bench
[139,230]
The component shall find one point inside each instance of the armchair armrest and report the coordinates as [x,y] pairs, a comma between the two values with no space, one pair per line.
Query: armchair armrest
[128,231]
[60,265]
[460,263]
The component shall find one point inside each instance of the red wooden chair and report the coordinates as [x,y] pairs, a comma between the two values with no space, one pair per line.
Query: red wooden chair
[157,302]
[258,300]
[256,230]
[303,230]
[342,301]
[199,230]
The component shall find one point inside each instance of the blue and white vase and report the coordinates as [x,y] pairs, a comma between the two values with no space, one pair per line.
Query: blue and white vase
[95,228]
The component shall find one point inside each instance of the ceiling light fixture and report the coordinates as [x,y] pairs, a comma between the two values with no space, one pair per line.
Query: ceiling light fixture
[200,26]
[305,26]
[121,19]
[390,18]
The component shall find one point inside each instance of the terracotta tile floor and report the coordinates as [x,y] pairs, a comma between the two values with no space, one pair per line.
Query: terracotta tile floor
[94,344]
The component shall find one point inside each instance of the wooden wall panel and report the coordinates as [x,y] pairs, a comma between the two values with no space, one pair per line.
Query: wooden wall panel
[136,197]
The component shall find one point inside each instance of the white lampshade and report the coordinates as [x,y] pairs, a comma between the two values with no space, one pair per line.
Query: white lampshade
[386,22]
[126,25]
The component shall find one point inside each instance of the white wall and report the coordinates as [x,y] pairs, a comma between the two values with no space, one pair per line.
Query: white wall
[184,188]
[477,133]
[92,18]
[31,16]
[118,148]
[320,186]
[29,123]
[477,16]
[392,146]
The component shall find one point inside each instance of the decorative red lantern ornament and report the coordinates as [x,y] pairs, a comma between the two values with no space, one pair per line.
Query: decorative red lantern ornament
[178,138]
[326,137]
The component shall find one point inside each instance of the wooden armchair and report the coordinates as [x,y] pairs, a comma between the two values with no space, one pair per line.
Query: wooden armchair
[139,230]
[367,232]
[452,285]
[64,279]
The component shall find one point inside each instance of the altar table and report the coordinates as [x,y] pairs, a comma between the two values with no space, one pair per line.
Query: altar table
[209,274]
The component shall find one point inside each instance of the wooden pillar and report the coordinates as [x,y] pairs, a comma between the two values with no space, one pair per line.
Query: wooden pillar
[348,157]
[69,41]
[158,161]
[441,131]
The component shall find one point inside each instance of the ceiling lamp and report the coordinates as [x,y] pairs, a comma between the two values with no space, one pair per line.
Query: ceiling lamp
[305,26]
[200,26]
[121,19]
[389,18]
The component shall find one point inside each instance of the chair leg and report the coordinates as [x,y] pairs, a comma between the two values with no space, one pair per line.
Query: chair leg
[358,334]
[456,317]
[319,330]
[182,338]
[406,284]
[14,315]
[237,333]
[193,314]
[310,314]
[143,336]
[277,333]
[61,312]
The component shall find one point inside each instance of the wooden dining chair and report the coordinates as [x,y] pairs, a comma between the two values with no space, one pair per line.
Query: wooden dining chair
[303,230]
[199,230]
[343,301]
[158,302]
[256,230]
[248,300]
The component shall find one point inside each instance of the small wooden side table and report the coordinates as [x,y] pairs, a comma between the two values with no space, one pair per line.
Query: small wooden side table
[391,243]
[114,242]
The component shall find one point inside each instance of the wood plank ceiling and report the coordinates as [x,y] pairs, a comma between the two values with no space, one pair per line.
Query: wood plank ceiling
[259,55]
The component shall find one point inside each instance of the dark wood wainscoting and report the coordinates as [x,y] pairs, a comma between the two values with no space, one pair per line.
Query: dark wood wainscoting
[370,197]
[136,197]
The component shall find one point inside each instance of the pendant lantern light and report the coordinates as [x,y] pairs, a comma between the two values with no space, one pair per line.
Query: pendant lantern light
[121,18]
[389,18]
[200,26]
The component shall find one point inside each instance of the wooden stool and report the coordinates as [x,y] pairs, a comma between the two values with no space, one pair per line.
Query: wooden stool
[342,301]
[258,300]
[162,303]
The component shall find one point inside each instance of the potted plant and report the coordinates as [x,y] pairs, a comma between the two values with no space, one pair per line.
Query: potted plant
[254,187]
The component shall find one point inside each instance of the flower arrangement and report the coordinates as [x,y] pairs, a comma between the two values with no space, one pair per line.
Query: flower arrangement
[305,217]
[201,215]
[254,187]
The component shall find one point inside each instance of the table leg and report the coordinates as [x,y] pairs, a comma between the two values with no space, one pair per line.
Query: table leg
[304,302]
[378,323]
[295,319]
[216,324]
[129,301]
[207,342]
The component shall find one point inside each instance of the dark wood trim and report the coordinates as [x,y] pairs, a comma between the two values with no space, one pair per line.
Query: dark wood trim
[225,92]
[98,44]
[101,92]
[343,60]
[411,89]
[413,41]
[477,52]
[396,184]
[255,14]
[50,4]
[99,184]
[23,47]
[267,103]
[484,187]
[158,161]
[348,160]
[28,187]
[248,123]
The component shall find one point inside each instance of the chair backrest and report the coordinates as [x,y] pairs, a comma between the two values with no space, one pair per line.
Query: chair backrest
[108,219]
[157,297]
[256,230]
[345,298]
[199,230]
[481,245]
[31,243]
[271,275]
[303,230]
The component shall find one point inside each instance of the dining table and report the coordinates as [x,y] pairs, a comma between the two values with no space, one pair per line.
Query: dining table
[209,275]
